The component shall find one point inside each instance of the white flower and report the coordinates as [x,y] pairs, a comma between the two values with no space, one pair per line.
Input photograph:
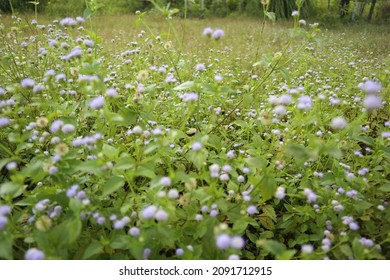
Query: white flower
[237,242]
[251,210]
[96,102]
[149,211]
[339,123]
[196,146]
[68,128]
[134,231]
[173,193]
[295,13]
[165,181]
[280,193]
[372,101]
[34,254]
[161,215]
[223,241]
[371,87]
[307,248]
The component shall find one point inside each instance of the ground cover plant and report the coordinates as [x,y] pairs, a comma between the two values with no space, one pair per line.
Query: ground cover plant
[147,137]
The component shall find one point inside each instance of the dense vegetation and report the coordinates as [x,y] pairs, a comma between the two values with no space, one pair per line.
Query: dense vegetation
[151,137]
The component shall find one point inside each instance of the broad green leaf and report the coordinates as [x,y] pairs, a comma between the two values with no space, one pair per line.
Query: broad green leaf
[267,187]
[112,185]
[385,188]
[12,189]
[185,85]
[357,249]
[74,230]
[274,247]
[6,247]
[93,249]
[110,151]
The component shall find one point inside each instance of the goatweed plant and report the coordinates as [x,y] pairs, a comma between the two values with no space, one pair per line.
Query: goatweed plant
[147,150]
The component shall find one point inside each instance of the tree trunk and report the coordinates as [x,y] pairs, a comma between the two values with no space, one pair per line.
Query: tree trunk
[371,10]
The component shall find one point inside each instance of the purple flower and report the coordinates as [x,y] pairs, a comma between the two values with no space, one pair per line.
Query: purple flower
[237,242]
[223,241]
[56,125]
[89,43]
[4,121]
[68,21]
[3,222]
[27,83]
[200,67]
[149,211]
[207,31]
[372,102]
[196,146]
[134,231]
[218,33]
[161,215]
[371,87]
[251,210]
[96,102]
[68,128]
[34,254]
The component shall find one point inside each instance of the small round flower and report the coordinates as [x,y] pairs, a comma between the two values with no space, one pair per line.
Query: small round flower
[173,193]
[56,125]
[353,226]
[68,128]
[5,210]
[11,165]
[101,220]
[134,231]
[111,92]
[34,254]
[3,222]
[198,217]
[251,210]
[372,101]
[237,242]
[196,146]
[302,22]
[200,67]
[119,224]
[234,257]
[149,211]
[223,241]
[137,130]
[4,121]
[27,83]
[338,123]
[371,87]
[96,102]
[295,13]
[161,215]
[214,213]
[165,181]
[224,177]
[207,31]
[179,252]
[307,249]
[218,33]
[147,253]
[241,179]
[280,193]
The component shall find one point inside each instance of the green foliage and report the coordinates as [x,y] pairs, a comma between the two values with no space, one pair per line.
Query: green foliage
[130,142]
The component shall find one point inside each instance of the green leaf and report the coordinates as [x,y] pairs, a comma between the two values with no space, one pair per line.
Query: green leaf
[112,185]
[385,188]
[267,187]
[346,250]
[297,151]
[12,189]
[109,151]
[274,247]
[74,230]
[6,247]
[93,249]
[362,206]
[185,85]
[286,255]
[270,212]
[357,249]
[240,226]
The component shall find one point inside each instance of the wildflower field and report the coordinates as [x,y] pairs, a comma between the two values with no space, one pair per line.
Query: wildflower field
[144,137]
